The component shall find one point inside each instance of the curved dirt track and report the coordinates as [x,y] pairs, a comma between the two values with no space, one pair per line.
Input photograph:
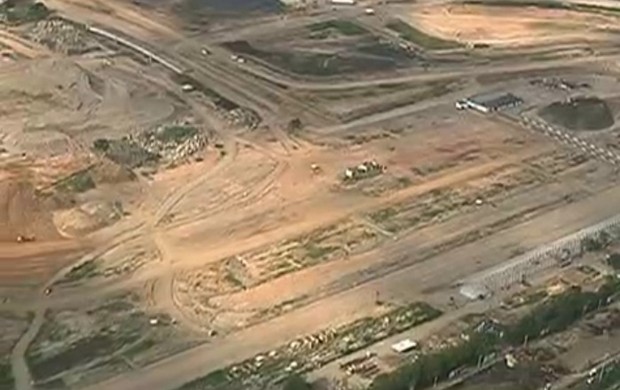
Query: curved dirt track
[154,225]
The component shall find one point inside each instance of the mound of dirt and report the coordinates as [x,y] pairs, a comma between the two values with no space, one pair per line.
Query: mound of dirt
[579,114]
[47,103]
[87,218]
[22,212]
[108,172]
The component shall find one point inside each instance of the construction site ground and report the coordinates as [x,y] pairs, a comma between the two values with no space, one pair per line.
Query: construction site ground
[167,210]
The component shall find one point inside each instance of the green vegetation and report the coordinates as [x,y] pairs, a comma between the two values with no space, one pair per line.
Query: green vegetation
[101,145]
[294,125]
[560,312]
[383,215]
[17,12]
[609,380]
[344,27]
[433,90]
[125,152]
[296,382]
[614,260]
[176,134]
[554,315]
[433,367]
[312,63]
[315,251]
[84,350]
[139,347]
[81,181]
[583,113]
[6,376]
[87,269]
[387,50]
[413,35]
[596,243]
[118,326]
[313,351]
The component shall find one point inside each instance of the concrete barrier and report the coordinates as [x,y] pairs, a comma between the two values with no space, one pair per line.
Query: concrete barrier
[135,47]
[546,256]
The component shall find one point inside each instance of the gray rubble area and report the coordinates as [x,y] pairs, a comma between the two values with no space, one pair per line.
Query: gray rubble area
[62,36]
[243,117]
[172,151]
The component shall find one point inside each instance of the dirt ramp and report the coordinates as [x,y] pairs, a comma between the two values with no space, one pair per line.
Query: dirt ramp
[22,212]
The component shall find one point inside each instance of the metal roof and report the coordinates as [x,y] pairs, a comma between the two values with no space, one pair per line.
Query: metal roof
[495,101]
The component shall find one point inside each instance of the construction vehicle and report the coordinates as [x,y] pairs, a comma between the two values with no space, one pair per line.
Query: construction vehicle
[21,239]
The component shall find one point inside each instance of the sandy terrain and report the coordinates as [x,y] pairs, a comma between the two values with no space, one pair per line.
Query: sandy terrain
[256,234]
[509,26]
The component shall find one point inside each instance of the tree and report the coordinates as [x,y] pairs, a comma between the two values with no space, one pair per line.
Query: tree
[296,382]
[101,144]
[614,260]
[294,125]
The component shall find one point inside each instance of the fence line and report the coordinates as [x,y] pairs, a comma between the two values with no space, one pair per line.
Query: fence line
[537,259]
[138,48]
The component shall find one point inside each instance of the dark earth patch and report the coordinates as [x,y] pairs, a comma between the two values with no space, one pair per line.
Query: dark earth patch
[584,113]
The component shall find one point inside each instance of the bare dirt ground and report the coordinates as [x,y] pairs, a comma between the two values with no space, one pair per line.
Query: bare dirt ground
[254,237]
[509,26]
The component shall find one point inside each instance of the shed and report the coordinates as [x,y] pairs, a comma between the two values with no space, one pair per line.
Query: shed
[404,346]
[475,291]
[493,102]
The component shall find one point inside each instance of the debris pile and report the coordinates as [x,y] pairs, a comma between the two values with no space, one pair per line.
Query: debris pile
[365,170]
[559,83]
[318,349]
[171,147]
[168,145]
[62,37]
[245,117]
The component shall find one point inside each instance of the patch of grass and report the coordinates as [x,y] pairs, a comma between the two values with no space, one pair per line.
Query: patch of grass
[6,376]
[139,347]
[85,270]
[404,181]
[614,261]
[18,12]
[316,251]
[552,316]
[54,384]
[383,49]
[434,90]
[383,215]
[232,279]
[311,63]
[413,35]
[586,113]
[81,181]
[125,152]
[341,341]
[78,353]
[214,380]
[176,134]
[344,27]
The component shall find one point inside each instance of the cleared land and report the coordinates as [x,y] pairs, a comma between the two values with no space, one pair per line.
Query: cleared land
[249,213]
[508,25]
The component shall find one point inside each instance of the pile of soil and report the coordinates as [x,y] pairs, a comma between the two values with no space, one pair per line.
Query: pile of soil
[585,113]
[22,212]
[87,218]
